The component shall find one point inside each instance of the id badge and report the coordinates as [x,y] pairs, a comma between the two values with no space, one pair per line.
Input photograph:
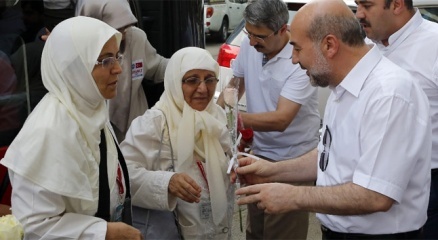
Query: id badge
[205,210]
[118,213]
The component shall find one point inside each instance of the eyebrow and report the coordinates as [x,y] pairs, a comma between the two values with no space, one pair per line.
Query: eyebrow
[292,43]
[108,54]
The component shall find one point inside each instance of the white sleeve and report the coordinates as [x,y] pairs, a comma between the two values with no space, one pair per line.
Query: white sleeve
[42,214]
[148,174]
[154,63]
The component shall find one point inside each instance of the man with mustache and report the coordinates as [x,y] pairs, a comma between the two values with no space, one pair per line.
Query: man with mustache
[371,166]
[403,36]
[281,106]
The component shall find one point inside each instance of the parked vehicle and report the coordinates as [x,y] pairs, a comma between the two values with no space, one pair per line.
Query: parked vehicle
[222,16]
[229,50]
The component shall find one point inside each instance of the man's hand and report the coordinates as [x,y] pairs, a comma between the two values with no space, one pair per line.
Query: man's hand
[273,198]
[119,230]
[183,186]
[252,171]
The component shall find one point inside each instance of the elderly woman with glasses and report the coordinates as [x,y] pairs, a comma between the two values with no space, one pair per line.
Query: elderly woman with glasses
[69,182]
[178,152]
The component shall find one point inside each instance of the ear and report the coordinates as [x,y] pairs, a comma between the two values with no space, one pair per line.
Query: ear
[398,6]
[330,46]
[283,29]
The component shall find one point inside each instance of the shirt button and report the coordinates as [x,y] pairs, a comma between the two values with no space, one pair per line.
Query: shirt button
[225,230]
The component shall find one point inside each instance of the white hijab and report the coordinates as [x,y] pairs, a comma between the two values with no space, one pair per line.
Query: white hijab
[116,13]
[203,132]
[58,146]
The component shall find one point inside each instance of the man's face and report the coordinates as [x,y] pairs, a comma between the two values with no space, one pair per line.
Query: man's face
[310,57]
[263,39]
[375,18]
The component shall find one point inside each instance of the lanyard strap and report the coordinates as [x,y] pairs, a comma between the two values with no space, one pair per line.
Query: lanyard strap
[201,168]
[103,208]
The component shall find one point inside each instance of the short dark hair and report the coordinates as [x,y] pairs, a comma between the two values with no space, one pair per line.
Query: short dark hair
[346,28]
[409,4]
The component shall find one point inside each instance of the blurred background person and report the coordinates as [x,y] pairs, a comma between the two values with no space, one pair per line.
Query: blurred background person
[141,61]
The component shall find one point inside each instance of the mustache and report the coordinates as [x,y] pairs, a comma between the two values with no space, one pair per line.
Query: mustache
[365,22]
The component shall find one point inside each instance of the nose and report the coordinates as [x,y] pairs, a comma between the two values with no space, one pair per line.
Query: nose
[202,87]
[359,13]
[117,68]
[295,58]
[252,41]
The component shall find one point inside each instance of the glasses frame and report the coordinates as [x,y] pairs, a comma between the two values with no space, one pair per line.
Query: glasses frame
[258,38]
[199,81]
[109,62]
[324,158]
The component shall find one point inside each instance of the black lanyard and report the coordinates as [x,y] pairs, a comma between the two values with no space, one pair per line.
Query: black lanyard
[103,208]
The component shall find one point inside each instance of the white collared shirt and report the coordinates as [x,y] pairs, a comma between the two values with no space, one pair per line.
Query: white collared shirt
[414,48]
[264,85]
[378,117]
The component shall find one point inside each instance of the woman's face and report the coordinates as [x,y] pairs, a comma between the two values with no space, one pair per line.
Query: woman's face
[198,88]
[106,72]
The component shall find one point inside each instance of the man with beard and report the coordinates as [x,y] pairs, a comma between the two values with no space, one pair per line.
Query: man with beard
[403,36]
[281,106]
[371,166]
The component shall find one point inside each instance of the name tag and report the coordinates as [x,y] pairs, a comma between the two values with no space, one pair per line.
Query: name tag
[137,70]
[205,210]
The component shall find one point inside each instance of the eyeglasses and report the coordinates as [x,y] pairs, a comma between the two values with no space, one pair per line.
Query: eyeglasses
[326,141]
[195,82]
[258,38]
[109,61]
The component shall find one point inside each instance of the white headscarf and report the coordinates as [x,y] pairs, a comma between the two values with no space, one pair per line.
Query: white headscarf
[116,13]
[204,132]
[58,146]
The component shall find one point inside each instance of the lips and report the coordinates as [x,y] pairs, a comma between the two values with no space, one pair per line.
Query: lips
[113,83]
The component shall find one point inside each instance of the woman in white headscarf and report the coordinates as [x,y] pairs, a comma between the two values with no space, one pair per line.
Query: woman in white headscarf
[54,160]
[141,61]
[177,151]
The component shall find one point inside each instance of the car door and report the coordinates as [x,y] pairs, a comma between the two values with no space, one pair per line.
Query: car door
[235,10]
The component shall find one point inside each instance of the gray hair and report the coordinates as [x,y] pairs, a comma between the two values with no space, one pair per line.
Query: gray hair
[346,28]
[270,13]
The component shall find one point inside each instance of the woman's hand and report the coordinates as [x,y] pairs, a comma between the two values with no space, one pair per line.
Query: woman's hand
[119,230]
[183,186]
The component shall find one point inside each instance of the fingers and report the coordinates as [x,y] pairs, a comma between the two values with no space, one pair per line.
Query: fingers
[248,194]
[184,187]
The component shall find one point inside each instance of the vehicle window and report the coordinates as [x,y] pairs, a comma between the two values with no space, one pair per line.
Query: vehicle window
[430,13]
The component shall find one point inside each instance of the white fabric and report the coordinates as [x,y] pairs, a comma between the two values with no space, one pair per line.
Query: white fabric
[116,13]
[264,85]
[140,61]
[191,131]
[150,188]
[58,4]
[378,117]
[414,48]
[58,147]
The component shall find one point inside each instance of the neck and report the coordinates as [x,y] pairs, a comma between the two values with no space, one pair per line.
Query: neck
[281,44]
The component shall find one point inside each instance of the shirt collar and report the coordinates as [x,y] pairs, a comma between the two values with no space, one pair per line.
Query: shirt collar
[398,37]
[356,78]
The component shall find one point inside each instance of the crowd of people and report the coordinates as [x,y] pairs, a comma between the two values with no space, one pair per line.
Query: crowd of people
[92,161]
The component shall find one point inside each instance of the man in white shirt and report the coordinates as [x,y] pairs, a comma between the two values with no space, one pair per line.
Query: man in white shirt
[371,165]
[281,106]
[403,36]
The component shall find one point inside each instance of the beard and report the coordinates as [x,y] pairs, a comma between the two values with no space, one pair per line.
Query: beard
[320,74]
